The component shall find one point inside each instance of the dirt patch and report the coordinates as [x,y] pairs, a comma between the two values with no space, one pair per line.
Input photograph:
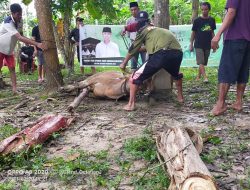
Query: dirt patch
[103,125]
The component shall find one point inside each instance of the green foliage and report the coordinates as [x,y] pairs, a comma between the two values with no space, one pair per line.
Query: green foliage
[26,2]
[141,147]
[4,9]
[217,9]
[91,164]
[180,12]
[156,180]
[9,185]
[7,130]
[28,160]
[214,140]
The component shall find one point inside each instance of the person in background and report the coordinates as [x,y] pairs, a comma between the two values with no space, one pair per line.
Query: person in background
[74,38]
[235,58]
[134,9]
[9,34]
[26,56]
[201,36]
[106,48]
[39,53]
[164,52]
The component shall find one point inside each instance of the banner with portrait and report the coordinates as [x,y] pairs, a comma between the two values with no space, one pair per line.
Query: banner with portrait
[92,35]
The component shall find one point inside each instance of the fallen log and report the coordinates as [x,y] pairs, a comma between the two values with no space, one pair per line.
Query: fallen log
[182,161]
[39,133]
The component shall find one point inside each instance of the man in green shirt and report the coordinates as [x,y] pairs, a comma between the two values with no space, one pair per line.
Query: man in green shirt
[164,52]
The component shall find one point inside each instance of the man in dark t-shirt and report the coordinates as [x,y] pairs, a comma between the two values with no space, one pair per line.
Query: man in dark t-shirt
[39,53]
[202,34]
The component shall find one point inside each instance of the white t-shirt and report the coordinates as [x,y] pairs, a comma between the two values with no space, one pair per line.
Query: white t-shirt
[8,39]
[107,50]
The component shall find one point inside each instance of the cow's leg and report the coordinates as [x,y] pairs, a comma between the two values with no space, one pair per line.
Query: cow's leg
[78,100]
[70,88]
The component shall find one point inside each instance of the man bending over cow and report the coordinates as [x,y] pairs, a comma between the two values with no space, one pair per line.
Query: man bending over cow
[164,52]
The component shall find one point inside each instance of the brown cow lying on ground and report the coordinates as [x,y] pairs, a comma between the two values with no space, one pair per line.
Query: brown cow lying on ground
[108,84]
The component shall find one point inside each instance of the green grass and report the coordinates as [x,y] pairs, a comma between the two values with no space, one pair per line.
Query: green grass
[8,185]
[7,130]
[141,148]
[134,149]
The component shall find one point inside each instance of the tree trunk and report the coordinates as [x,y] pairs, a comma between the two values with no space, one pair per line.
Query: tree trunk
[195,9]
[53,73]
[161,19]
[68,47]
[161,13]
[184,165]
[59,42]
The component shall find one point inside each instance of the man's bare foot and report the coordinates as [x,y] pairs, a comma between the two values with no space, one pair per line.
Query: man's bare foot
[180,99]
[237,106]
[219,110]
[129,107]
[205,80]
[15,92]
[197,78]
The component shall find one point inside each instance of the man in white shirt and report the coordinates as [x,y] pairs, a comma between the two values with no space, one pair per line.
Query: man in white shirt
[106,48]
[9,34]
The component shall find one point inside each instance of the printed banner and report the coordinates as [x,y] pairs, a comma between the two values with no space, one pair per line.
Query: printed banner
[94,52]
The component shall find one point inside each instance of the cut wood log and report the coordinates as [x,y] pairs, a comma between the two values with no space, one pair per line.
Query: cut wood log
[37,134]
[78,100]
[182,161]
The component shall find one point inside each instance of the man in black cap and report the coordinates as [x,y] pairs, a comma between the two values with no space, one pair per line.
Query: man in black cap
[164,52]
[134,9]
[106,48]
[74,38]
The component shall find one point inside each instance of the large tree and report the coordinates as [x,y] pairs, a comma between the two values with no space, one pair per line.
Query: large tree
[53,72]
[162,79]
[195,9]
[161,13]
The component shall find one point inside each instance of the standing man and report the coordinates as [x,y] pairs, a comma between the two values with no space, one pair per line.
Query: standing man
[164,52]
[235,58]
[74,38]
[134,9]
[106,48]
[201,36]
[9,35]
[39,53]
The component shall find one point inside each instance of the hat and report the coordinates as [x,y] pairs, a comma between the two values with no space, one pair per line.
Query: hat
[106,29]
[79,19]
[141,16]
[90,41]
[133,4]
